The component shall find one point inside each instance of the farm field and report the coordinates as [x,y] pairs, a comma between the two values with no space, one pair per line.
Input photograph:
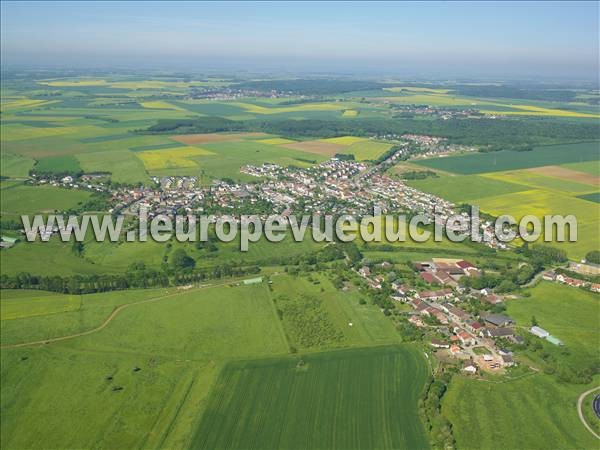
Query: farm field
[15,166]
[538,191]
[291,401]
[534,412]
[510,160]
[177,341]
[591,167]
[541,202]
[228,156]
[124,166]
[58,164]
[22,199]
[172,158]
[459,189]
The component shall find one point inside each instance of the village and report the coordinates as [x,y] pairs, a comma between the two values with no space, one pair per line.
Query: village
[477,340]
[338,186]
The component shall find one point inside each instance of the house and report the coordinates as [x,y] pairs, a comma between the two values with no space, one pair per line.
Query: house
[439,344]
[550,275]
[469,367]
[364,271]
[465,265]
[516,339]
[400,288]
[539,332]
[507,360]
[499,332]
[493,299]
[429,277]
[440,316]
[455,349]
[474,327]
[595,287]
[386,265]
[456,313]
[415,320]
[498,320]
[436,295]
[466,338]
[444,277]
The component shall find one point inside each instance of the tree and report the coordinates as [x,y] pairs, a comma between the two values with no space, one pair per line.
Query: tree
[593,257]
[506,286]
[77,248]
[181,261]
[534,322]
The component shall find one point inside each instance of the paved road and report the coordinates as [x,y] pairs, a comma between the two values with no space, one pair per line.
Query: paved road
[579,403]
[112,315]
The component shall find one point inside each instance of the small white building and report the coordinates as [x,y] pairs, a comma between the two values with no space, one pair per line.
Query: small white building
[539,332]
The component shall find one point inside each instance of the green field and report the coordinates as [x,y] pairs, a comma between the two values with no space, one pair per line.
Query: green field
[570,314]
[124,166]
[593,197]
[332,400]
[228,157]
[535,412]
[315,315]
[591,167]
[15,166]
[179,339]
[522,192]
[58,164]
[460,189]
[21,199]
[510,160]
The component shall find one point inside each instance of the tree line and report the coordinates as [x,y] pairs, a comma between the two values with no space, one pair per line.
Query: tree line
[491,134]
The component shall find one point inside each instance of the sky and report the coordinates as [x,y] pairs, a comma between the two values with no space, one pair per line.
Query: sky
[436,39]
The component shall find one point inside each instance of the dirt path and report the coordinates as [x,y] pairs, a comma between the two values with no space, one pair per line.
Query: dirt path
[580,412]
[112,315]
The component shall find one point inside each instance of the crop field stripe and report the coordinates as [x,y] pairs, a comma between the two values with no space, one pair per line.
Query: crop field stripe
[340,399]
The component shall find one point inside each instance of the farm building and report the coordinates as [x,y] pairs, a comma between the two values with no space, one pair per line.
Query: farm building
[554,340]
[498,320]
[253,281]
[539,332]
